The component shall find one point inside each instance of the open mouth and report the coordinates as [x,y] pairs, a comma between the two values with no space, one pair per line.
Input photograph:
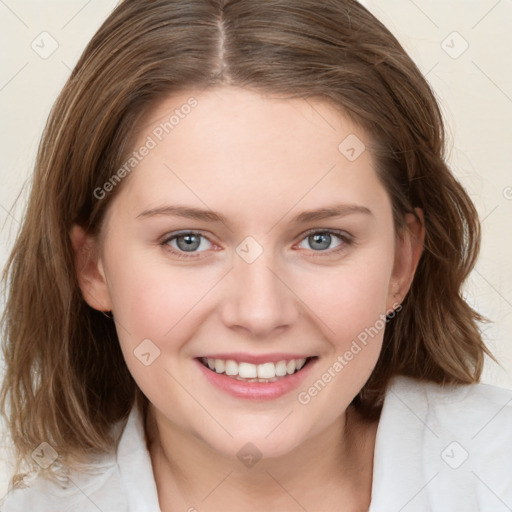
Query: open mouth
[248,372]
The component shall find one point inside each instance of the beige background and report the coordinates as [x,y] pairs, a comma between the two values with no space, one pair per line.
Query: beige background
[462,46]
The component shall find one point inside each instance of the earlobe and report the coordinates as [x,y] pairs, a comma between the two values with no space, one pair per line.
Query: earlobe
[409,248]
[89,270]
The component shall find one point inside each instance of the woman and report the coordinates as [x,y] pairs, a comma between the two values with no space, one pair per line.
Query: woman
[239,278]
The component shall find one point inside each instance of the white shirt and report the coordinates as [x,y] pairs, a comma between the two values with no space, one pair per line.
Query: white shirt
[438,449]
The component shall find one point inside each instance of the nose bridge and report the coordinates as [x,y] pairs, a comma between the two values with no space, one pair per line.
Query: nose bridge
[260,301]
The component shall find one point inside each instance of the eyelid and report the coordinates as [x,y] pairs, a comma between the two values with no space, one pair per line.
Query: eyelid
[175,234]
[339,232]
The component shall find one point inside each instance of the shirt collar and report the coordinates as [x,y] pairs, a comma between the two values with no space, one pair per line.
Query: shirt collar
[135,466]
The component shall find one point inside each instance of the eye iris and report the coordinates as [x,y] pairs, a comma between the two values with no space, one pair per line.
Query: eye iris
[192,242]
[324,239]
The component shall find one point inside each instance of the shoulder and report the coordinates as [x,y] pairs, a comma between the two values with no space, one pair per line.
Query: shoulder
[446,446]
[112,482]
[468,410]
[99,487]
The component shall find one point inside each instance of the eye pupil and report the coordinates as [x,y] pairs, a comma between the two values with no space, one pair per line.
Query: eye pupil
[324,239]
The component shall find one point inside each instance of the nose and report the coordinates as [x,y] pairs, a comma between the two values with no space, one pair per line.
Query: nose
[258,298]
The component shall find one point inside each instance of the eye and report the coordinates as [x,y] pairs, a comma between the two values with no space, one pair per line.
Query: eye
[186,242]
[190,244]
[320,240]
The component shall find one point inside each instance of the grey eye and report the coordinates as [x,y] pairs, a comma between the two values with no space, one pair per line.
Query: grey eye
[188,242]
[321,240]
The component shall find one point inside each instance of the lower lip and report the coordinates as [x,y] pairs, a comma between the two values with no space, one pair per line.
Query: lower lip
[257,390]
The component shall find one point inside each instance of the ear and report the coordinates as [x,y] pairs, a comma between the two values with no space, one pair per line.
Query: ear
[89,269]
[408,251]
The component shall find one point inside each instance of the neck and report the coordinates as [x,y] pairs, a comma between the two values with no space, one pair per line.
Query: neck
[333,467]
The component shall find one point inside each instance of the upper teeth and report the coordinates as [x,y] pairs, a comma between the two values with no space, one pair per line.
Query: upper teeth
[252,371]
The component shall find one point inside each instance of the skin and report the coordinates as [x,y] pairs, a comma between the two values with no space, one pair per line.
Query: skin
[259,161]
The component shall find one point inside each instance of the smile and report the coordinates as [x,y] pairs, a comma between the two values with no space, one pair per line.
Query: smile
[248,372]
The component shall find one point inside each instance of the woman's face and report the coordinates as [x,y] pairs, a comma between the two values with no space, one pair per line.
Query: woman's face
[253,230]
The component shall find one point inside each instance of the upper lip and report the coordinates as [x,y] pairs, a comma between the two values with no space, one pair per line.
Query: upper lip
[256,359]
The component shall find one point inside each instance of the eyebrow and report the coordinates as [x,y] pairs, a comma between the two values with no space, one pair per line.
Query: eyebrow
[339,210]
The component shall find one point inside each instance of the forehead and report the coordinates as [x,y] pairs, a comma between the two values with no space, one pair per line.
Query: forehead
[234,147]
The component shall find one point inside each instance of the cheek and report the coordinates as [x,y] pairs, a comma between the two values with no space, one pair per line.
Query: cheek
[156,300]
[349,299]
[153,307]
[351,306]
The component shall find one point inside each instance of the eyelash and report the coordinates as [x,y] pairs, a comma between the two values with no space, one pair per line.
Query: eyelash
[344,237]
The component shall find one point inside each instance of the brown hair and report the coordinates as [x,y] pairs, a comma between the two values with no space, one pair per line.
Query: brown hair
[66,380]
